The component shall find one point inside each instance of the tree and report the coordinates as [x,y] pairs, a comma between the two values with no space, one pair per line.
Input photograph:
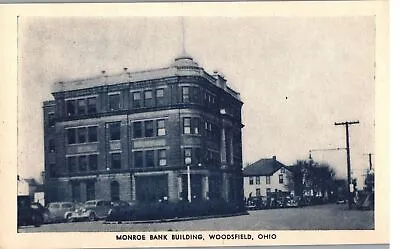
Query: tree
[309,178]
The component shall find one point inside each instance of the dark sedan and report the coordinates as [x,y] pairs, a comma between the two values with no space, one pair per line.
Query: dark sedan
[30,213]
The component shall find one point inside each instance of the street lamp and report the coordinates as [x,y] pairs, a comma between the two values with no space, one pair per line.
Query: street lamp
[188,162]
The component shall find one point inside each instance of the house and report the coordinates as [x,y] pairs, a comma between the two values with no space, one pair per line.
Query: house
[138,135]
[29,187]
[265,176]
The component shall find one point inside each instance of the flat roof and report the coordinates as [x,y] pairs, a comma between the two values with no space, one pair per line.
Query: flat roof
[182,66]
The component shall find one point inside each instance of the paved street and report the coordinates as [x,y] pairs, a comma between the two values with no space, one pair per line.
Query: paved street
[322,217]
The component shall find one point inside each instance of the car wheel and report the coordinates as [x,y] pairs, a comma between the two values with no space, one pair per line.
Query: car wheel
[37,220]
[69,218]
[92,217]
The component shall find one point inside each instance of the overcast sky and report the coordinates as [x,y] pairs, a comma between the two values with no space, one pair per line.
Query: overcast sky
[297,76]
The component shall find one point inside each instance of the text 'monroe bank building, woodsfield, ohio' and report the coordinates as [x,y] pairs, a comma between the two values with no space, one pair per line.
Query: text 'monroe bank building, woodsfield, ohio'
[131,136]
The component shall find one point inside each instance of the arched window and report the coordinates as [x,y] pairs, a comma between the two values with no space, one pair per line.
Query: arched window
[114,187]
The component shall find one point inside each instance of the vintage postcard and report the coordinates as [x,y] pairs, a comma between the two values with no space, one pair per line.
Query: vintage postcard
[195,124]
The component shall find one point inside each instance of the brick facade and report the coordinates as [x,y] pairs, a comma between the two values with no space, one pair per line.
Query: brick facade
[127,136]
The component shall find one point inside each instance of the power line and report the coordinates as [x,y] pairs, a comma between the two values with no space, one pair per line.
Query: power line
[329,149]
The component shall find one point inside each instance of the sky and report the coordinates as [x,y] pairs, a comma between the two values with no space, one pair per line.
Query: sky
[297,76]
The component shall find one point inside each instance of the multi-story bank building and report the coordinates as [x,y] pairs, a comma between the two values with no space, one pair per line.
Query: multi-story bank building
[133,136]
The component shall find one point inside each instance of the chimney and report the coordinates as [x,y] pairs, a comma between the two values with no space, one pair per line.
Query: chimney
[274,158]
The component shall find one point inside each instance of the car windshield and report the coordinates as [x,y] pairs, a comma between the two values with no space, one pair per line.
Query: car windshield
[54,205]
[90,204]
[66,205]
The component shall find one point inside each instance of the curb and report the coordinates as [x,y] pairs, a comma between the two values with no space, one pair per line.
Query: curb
[175,219]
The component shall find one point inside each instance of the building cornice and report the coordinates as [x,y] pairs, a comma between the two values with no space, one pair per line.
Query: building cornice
[183,66]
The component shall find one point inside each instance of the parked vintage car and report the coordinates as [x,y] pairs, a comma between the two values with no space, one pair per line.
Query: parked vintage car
[257,202]
[30,213]
[61,211]
[341,201]
[119,209]
[43,210]
[291,201]
[91,210]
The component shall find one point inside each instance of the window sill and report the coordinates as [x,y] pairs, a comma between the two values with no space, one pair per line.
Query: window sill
[87,143]
[146,138]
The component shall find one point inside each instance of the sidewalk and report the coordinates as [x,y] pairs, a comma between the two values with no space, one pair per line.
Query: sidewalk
[176,219]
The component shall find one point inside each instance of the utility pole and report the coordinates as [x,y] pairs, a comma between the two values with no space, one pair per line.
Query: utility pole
[349,190]
[370,161]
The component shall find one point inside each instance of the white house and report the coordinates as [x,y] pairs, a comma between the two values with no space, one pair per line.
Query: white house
[265,176]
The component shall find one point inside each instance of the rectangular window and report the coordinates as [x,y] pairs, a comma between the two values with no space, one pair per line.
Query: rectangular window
[76,192]
[71,136]
[137,130]
[188,155]
[281,179]
[114,102]
[71,162]
[196,94]
[185,94]
[52,145]
[82,135]
[197,155]
[195,126]
[268,179]
[160,93]
[137,99]
[51,121]
[148,128]
[186,125]
[251,180]
[71,107]
[138,159]
[82,163]
[149,158]
[208,129]
[90,191]
[160,97]
[93,162]
[282,170]
[258,192]
[92,133]
[162,157]
[92,105]
[115,130]
[81,106]
[53,171]
[257,180]
[116,160]
[161,128]
[148,98]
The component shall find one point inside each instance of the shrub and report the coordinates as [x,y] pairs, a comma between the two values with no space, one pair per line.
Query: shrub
[170,210]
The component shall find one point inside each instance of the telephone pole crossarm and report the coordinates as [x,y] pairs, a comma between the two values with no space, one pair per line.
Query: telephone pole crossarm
[347,123]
